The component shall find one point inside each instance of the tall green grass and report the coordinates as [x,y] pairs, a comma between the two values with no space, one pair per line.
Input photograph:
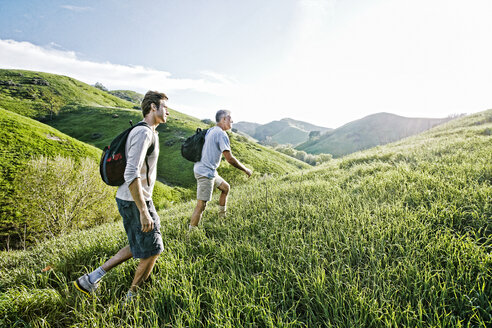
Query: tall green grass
[397,236]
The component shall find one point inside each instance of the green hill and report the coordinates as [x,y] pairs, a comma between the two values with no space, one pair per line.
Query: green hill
[39,95]
[370,131]
[395,236]
[285,131]
[21,138]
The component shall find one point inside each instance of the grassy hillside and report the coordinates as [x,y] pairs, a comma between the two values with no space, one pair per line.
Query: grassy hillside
[396,236]
[370,131]
[22,138]
[38,95]
[98,126]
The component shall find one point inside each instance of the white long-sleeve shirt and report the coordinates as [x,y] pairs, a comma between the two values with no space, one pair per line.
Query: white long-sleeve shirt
[137,144]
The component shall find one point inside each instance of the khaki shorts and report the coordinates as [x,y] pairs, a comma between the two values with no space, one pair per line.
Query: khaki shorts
[205,186]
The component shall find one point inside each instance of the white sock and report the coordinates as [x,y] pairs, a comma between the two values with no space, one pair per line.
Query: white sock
[96,275]
[191,228]
[130,295]
[222,209]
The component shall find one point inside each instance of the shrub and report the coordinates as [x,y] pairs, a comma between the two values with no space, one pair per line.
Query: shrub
[57,195]
[303,156]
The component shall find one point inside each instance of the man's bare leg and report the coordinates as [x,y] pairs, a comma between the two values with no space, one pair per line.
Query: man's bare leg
[224,188]
[143,271]
[88,283]
[197,213]
[123,255]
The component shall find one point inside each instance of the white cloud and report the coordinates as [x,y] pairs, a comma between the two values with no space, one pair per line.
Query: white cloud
[25,55]
[76,8]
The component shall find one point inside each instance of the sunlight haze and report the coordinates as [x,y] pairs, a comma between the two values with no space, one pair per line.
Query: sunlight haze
[325,62]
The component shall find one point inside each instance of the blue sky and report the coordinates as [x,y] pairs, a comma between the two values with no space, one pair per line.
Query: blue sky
[326,62]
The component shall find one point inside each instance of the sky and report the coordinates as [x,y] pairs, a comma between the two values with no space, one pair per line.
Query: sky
[326,62]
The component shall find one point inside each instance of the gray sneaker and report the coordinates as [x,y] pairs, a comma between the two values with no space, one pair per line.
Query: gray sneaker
[129,297]
[85,286]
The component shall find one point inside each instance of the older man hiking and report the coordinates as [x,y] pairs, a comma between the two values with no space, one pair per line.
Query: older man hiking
[134,199]
[216,144]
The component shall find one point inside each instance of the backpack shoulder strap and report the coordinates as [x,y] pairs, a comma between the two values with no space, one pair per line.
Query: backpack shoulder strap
[152,145]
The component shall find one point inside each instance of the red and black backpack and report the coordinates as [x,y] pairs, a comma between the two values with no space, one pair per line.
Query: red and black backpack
[113,160]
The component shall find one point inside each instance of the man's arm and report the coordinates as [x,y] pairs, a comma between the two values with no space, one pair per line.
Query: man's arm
[137,194]
[137,150]
[234,162]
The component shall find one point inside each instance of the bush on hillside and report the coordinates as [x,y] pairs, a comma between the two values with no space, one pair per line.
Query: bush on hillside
[100,86]
[58,195]
[303,156]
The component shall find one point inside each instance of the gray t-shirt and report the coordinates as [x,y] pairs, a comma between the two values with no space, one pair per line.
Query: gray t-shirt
[139,140]
[216,141]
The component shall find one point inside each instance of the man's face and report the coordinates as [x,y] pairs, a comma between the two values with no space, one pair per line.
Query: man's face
[162,113]
[228,122]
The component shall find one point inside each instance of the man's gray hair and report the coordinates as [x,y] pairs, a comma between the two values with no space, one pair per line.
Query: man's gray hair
[221,113]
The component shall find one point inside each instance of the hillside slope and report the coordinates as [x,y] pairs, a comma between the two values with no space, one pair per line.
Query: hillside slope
[398,235]
[21,138]
[370,131]
[39,95]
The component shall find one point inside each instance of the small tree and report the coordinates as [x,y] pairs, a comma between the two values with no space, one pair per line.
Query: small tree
[100,86]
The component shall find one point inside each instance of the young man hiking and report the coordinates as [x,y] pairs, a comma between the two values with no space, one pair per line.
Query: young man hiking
[134,200]
[216,144]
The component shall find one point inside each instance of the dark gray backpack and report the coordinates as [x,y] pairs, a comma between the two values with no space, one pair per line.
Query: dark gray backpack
[191,149]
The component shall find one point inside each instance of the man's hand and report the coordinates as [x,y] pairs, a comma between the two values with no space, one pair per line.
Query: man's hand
[146,221]
[248,172]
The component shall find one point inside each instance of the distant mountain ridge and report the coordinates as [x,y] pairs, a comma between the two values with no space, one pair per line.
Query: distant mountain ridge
[284,131]
[370,131]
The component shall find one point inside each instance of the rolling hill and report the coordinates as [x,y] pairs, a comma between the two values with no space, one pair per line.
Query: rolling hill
[285,131]
[370,131]
[398,235]
[246,127]
[41,95]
